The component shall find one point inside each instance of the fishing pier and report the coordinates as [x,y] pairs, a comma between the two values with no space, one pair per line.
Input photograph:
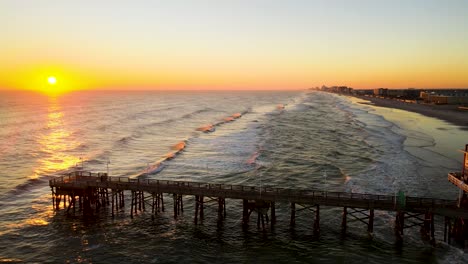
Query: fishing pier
[89,192]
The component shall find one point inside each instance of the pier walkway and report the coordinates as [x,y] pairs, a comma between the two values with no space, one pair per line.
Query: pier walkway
[90,191]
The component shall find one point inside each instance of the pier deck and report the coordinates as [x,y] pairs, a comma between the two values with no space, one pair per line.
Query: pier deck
[65,184]
[92,190]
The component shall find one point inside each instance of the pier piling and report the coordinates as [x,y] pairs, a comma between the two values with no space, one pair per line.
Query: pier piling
[344,220]
[89,194]
[293,215]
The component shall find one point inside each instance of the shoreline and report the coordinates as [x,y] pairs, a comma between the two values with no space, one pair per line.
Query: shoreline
[448,113]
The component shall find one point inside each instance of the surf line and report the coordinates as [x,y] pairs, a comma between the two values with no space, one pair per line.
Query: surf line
[253,158]
[179,147]
[212,127]
[158,165]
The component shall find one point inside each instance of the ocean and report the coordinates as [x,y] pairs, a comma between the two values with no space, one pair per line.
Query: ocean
[292,139]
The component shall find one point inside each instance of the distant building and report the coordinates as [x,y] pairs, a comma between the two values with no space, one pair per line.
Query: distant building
[406,94]
[338,89]
[382,92]
[445,96]
[434,96]
[364,92]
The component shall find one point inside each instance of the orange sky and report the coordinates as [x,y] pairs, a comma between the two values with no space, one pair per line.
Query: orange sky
[208,45]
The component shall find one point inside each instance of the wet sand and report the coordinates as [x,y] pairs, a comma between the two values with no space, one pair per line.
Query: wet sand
[449,113]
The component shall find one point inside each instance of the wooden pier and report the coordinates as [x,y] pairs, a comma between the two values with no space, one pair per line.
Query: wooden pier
[88,192]
[460,179]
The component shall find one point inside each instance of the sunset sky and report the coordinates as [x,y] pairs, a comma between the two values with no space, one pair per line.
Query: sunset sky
[252,44]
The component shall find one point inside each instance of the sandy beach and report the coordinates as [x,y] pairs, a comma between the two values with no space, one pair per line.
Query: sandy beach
[449,113]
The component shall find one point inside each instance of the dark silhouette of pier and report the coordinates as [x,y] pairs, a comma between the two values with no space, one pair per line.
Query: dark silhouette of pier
[88,192]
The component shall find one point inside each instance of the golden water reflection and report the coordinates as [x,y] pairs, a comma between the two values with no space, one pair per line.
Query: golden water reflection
[41,215]
[55,148]
[56,143]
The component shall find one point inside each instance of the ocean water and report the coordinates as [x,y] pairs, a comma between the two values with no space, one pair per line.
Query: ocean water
[317,140]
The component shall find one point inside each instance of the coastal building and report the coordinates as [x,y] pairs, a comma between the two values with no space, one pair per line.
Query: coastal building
[445,96]
[338,89]
[363,92]
[381,92]
[407,94]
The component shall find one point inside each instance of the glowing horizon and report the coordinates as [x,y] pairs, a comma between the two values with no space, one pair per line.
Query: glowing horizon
[197,45]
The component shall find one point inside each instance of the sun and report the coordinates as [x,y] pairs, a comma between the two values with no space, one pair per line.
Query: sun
[52,80]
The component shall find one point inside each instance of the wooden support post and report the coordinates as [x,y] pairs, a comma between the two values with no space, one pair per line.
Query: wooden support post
[135,205]
[202,201]
[162,201]
[131,205]
[245,212]
[95,199]
[258,219]
[81,202]
[317,220]
[69,206]
[85,204]
[399,224]
[74,204]
[224,207]
[53,198]
[138,201]
[402,222]
[427,223]
[432,230]
[445,229]
[196,209]
[119,198]
[157,201]
[57,202]
[449,233]
[181,203]
[293,214]
[112,206]
[263,220]
[103,197]
[344,220]
[370,226]
[273,214]
[220,209]
[174,197]
[122,196]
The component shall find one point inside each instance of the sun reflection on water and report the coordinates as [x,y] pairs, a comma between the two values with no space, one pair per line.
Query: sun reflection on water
[57,143]
[40,215]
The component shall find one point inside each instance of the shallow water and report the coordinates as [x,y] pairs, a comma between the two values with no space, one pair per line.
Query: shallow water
[318,140]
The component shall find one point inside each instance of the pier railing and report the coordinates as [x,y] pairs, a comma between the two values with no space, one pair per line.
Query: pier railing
[89,191]
[457,179]
[81,180]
